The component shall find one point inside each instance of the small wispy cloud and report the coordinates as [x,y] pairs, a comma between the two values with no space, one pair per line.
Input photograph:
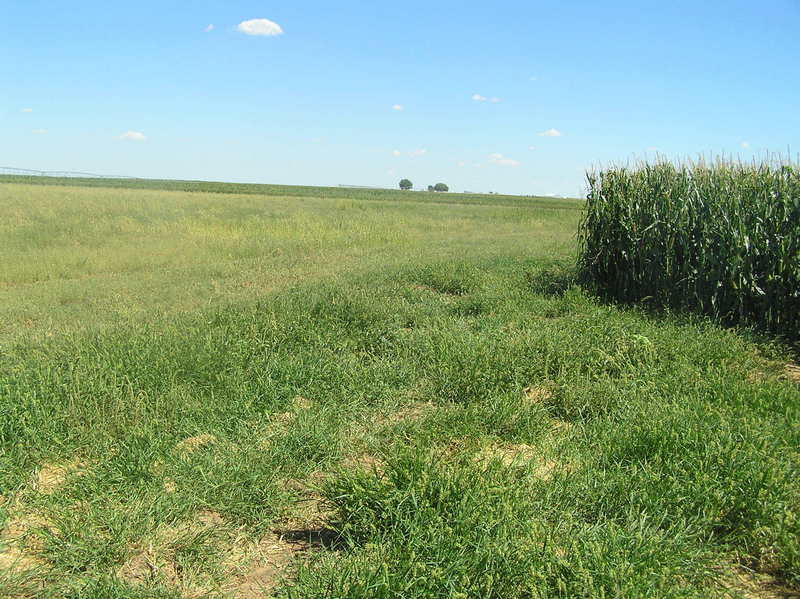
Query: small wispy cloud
[133,136]
[412,153]
[39,131]
[531,148]
[745,144]
[27,110]
[495,100]
[461,164]
[398,107]
[652,149]
[551,133]
[209,27]
[480,98]
[500,160]
[532,78]
[262,27]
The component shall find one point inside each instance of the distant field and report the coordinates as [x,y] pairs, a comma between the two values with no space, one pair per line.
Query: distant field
[213,390]
[77,257]
[349,193]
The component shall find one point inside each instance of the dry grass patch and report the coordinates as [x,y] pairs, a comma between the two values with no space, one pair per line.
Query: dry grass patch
[364,461]
[537,393]
[15,559]
[51,477]
[256,569]
[792,372]
[302,403]
[236,565]
[157,559]
[746,584]
[19,544]
[270,562]
[771,370]
[410,413]
[192,444]
[562,426]
[520,455]
[308,512]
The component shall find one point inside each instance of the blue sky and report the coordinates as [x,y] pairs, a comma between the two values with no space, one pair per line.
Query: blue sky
[513,97]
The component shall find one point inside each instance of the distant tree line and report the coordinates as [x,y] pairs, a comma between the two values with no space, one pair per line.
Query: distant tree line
[406,184]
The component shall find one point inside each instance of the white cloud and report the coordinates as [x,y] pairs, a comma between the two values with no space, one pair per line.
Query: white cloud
[480,98]
[413,153]
[745,144]
[531,148]
[133,136]
[461,164]
[501,160]
[39,131]
[27,110]
[551,133]
[532,78]
[208,28]
[398,107]
[259,27]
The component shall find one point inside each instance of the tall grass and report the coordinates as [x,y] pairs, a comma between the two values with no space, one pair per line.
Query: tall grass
[720,238]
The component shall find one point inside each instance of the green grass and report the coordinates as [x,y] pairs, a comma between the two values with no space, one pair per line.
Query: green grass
[77,257]
[416,401]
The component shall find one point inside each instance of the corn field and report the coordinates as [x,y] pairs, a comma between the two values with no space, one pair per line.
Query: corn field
[722,239]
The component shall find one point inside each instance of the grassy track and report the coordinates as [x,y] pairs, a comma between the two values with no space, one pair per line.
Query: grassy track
[406,399]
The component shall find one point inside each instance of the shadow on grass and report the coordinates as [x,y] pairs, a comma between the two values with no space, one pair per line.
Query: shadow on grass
[305,539]
[552,279]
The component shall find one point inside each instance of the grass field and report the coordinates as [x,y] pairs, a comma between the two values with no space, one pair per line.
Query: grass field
[211,391]
[77,257]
